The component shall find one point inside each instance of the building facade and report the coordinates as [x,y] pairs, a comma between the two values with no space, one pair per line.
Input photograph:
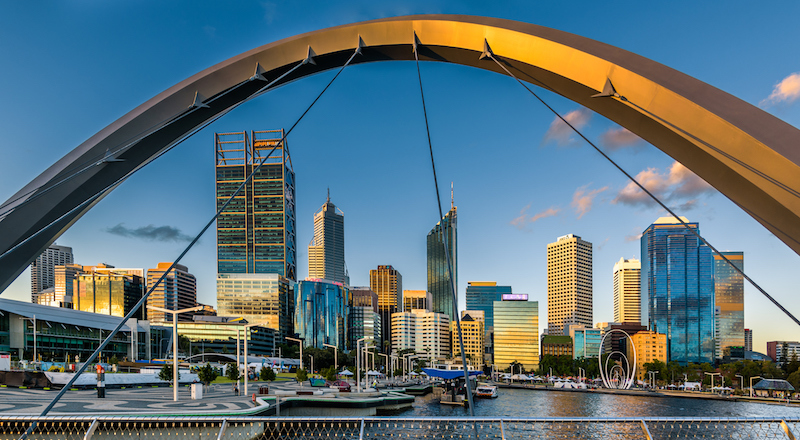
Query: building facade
[729,302]
[473,334]
[423,331]
[417,299]
[586,341]
[516,334]
[481,295]
[256,233]
[678,284]
[650,346]
[321,313]
[326,250]
[442,241]
[627,291]
[217,334]
[178,290]
[258,298]
[109,293]
[569,284]
[364,322]
[783,351]
[388,284]
[748,339]
[556,345]
[364,297]
[43,268]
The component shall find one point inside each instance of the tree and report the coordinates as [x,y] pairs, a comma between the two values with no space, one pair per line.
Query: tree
[267,374]
[302,375]
[113,360]
[794,379]
[232,371]
[166,373]
[329,373]
[207,374]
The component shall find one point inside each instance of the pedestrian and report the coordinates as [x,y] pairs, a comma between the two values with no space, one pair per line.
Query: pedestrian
[235,389]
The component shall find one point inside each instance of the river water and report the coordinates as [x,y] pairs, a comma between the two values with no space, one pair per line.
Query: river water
[542,403]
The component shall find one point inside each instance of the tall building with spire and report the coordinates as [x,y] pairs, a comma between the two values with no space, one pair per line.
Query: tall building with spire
[326,250]
[443,240]
[569,284]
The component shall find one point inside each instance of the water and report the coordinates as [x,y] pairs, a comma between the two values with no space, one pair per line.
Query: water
[541,403]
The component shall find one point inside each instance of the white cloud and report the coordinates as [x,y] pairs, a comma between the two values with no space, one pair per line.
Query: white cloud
[524,219]
[582,200]
[677,184]
[560,133]
[787,90]
[618,138]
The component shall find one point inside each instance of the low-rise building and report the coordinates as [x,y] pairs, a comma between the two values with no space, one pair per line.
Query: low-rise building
[556,345]
[473,334]
[650,346]
[219,334]
[586,341]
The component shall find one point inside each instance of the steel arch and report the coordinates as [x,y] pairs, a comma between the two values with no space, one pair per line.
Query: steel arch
[744,152]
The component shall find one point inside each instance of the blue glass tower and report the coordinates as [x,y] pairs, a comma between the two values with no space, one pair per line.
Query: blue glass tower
[320,313]
[678,288]
[482,294]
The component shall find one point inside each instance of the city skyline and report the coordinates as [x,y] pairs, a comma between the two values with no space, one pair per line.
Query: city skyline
[502,243]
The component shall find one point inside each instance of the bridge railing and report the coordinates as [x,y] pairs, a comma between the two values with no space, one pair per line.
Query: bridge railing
[386,428]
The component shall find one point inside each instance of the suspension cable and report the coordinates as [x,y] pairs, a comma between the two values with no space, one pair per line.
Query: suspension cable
[443,236]
[141,301]
[489,54]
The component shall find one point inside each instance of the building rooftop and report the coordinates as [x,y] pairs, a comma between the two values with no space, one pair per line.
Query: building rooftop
[59,315]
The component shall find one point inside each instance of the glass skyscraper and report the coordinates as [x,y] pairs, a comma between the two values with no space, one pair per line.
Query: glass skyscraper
[678,289]
[516,333]
[326,250]
[256,232]
[481,295]
[387,282]
[443,234]
[729,301]
[258,298]
[320,313]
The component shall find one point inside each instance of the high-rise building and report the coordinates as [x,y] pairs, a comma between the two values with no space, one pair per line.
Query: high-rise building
[256,231]
[416,299]
[586,341]
[516,333]
[178,290]
[650,346]
[109,293]
[443,238]
[320,313]
[569,284]
[258,298]
[388,284]
[425,332]
[364,322]
[364,297]
[326,250]
[678,289]
[748,339]
[627,291]
[61,295]
[43,268]
[473,334]
[481,295]
[729,302]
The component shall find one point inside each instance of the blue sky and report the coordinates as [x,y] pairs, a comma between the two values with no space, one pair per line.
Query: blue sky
[71,68]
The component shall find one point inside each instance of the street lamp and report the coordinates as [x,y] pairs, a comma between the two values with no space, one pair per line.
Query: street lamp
[246,361]
[312,363]
[712,378]
[751,384]
[393,363]
[387,363]
[741,381]
[33,321]
[579,374]
[653,377]
[358,362]
[175,314]
[299,341]
[335,356]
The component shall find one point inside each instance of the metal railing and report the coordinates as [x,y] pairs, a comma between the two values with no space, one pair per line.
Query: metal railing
[376,428]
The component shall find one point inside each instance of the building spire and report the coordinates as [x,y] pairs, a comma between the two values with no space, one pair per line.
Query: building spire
[329,194]
[452,200]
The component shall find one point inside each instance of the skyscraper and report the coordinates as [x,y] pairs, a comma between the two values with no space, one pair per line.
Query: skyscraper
[326,250]
[516,332]
[256,232]
[481,295]
[178,290]
[258,298]
[569,284]
[729,302]
[473,334]
[678,288]
[109,293]
[43,268]
[748,339]
[321,313]
[388,284]
[627,291]
[443,236]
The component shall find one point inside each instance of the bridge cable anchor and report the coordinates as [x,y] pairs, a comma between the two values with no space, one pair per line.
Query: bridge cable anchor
[609,91]
[259,73]
[360,45]
[310,57]
[198,101]
[415,43]
[487,51]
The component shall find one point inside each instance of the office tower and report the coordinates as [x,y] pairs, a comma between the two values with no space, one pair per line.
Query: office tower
[320,313]
[585,341]
[627,291]
[364,322]
[678,289]
[109,293]
[388,284]
[178,290]
[258,298]
[569,284]
[218,334]
[516,333]
[326,250]
[43,268]
[748,339]
[473,334]
[417,299]
[650,346]
[256,232]
[481,295]
[443,237]
[62,293]
[423,331]
[364,297]
[729,302]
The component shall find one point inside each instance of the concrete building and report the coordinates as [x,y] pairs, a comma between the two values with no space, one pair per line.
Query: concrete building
[321,313]
[417,299]
[748,339]
[326,250]
[364,297]
[777,350]
[178,290]
[218,334]
[443,237]
[556,345]
[472,334]
[258,298]
[650,346]
[423,331]
[586,342]
[516,333]
[569,284]
[43,268]
[388,284]
[729,303]
[627,291]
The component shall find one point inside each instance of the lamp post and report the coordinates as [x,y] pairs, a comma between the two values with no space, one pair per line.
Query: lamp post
[405,363]
[33,321]
[312,363]
[393,363]
[335,356]
[653,377]
[387,363]
[358,362]
[299,341]
[175,314]
[579,374]
[246,362]
[741,381]
[712,378]
[751,384]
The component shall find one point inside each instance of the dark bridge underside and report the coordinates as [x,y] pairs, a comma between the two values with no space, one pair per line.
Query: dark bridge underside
[745,153]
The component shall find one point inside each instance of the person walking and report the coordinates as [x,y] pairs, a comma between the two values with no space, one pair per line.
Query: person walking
[235,389]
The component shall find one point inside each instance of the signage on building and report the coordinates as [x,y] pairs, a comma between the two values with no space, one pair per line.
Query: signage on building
[515,297]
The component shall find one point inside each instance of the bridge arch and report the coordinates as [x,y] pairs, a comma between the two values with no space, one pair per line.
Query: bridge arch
[750,156]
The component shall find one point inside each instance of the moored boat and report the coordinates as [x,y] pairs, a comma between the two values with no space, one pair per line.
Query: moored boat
[486,391]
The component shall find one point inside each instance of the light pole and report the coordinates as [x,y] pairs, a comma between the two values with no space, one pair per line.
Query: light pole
[751,384]
[712,378]
[741,381]
[358,362]
[299,341]
[393,363]
[335,356]
[175,314]
[579,374]
[405,363]
[387,363]
[312,363]
[653,377]
[246,362]
[33,321]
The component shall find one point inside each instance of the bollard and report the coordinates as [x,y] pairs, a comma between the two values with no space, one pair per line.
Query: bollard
[254,397]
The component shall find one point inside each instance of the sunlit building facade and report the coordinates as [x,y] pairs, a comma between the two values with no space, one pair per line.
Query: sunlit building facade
[443,237]
[108,293]
[678,287]
[258,298]
[178,290]
[326,250]
[388,284]
[569,284]
[321,313]
[473,334]
[215,334]
[256,231]
[417,299]
[481,295]
[627,291]
[729,302]
[516,334]
[43,268]
[556,345]
[650,346]
[423,331]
